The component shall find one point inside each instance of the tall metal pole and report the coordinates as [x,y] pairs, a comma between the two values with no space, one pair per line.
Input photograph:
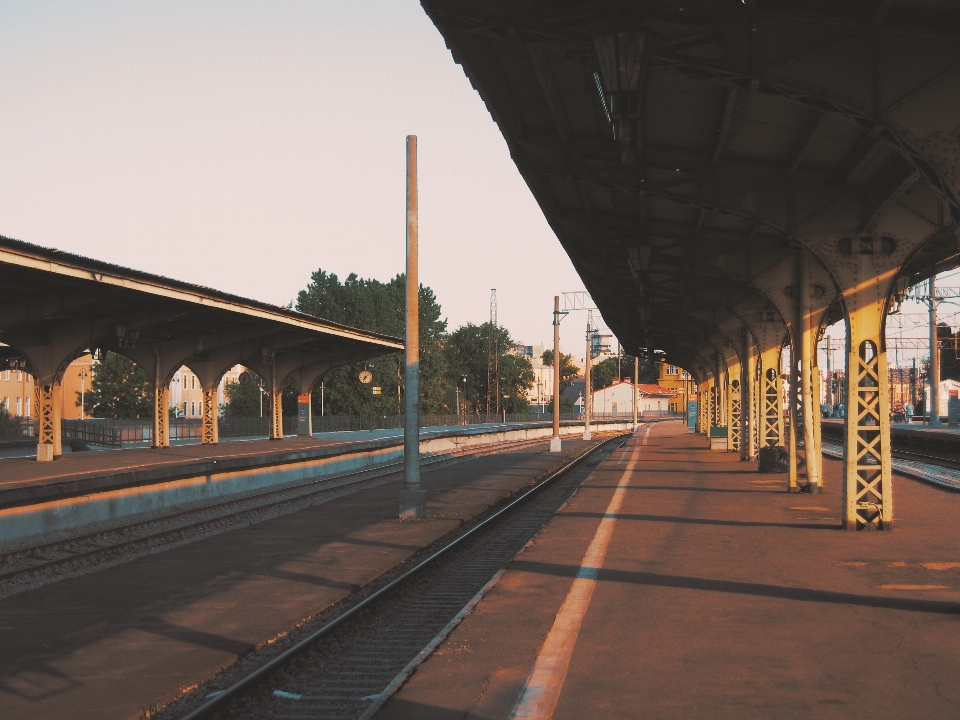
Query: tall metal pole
[636,392]
[555,440]
[586,384]
[412,502]
[934,354]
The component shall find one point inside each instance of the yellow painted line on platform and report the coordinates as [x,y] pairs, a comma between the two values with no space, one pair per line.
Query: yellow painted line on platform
[810,508]
[913,587]
[542,690]
[940,565]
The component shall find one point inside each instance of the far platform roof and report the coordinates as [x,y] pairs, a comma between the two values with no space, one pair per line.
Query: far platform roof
[67,303]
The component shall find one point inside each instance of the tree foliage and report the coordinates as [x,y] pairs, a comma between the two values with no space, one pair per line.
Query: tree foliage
[9,426]
[568,371]
[602,374]
[468,350]
[245,399]
[119,389]
[378,307]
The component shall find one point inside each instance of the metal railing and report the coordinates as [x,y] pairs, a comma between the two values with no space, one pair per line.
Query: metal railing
[16,428]
[117,433]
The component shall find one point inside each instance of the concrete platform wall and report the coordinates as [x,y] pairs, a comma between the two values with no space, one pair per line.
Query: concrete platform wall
[57,519]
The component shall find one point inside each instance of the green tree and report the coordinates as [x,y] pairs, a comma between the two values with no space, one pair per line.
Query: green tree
[379,307]
[9,426]
[467,354]
[119,389]
[602,374]
[245,398]
[568,371]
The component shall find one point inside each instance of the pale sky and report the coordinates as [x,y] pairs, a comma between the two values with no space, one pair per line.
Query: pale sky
[242,145]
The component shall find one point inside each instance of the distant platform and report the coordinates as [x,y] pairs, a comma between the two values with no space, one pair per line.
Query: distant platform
[24,481]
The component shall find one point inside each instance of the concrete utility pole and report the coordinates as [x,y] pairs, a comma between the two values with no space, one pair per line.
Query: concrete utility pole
[934,354]
[555,440]
[412,503]
[636,392]
[586,384]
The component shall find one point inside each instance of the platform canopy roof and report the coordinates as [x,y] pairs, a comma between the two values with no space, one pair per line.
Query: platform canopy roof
[54,306]
[684,152]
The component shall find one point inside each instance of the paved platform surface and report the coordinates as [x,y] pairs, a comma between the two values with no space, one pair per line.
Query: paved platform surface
[24,480]
[719,596]
[113,643]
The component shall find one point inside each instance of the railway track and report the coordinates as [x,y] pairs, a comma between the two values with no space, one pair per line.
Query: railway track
[943,472]
[31,567]
[346,668]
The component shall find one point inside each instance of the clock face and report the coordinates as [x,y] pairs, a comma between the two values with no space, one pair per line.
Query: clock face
[366,376]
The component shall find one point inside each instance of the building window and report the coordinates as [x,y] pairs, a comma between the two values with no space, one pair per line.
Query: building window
[19,407]
[6,404]
[6,374]
[19,374]
[193,382]
[672,370]
[193,408]
[27,413]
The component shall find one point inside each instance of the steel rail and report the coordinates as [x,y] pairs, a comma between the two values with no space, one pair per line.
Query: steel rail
[215,703]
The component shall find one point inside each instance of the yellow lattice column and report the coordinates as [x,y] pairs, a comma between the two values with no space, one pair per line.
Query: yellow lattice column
[795,417]
[46,421]
[734,410]
[771,399]
[161,418]
[276,408]
[210,426]
[867,489]
[810,405]
[57,419]
[702,403]
[750,404]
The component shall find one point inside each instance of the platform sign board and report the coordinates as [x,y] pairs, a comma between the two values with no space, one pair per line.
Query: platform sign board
[304,424]
[692,415]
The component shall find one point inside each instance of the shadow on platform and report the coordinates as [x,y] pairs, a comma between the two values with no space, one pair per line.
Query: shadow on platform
[742,588]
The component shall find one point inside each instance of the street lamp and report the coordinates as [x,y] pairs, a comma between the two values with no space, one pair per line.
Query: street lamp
[83,375]
[463,381]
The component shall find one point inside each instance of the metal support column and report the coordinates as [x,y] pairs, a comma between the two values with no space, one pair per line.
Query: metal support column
[636,392]
[772,398]
[586,384]
[934,408]
[750,387]
[794,417]
[555,444]
[807,337]
[276,406]
[210,423]
[412,498]
[734,409]
[48,424]
[160,438]
[867,489]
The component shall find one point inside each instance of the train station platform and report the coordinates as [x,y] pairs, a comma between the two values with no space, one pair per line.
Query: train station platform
[123,640]
[90,492]
[23,480]
[679,582]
